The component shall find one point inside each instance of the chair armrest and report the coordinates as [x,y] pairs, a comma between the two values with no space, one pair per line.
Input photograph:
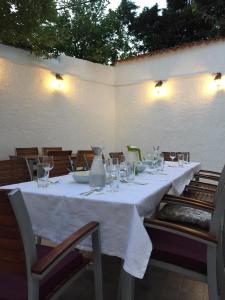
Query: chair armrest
[190,202]
[45,264]
[182,230]
[209,172]
[200,189]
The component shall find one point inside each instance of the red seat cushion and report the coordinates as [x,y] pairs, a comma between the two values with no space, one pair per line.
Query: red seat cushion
[14,287]
[178,250]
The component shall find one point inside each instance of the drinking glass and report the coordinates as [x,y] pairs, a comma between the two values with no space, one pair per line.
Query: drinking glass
[172,155]
[123,170]
[131,171]
[113,173]
[44,166]
[180,157]
[186,158]
[161,162]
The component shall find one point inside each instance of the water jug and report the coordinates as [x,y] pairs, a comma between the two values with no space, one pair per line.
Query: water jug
[97,172]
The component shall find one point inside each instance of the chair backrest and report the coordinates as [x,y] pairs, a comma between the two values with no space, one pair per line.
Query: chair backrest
[220,184]
[117,155]
[45,150]
[23,152]
[15,256]
[167,156]
[80,158]
[14,171]
[218,214]
[88,159]
[62,162]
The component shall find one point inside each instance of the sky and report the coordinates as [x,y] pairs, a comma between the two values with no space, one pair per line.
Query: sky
[141,3]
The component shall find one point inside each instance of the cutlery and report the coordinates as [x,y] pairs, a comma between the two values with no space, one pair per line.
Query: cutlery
[91,191]
[135,182]
[54,181]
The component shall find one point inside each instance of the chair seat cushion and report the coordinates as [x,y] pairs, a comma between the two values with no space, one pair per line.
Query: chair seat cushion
[14,287]
[186,215]
[178,250]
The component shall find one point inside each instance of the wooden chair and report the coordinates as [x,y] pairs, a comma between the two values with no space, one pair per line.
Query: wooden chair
[24,152]
[117,155]
[46,149]
[88,159]
[167,156]
[189,249]
[62,162]
[14,171]
[32,272]
[204,191]
[80,163]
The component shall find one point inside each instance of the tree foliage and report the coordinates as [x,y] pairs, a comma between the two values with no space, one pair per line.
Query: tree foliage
[87,29]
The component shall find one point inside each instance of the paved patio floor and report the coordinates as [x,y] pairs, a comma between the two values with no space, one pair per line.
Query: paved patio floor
[160,285]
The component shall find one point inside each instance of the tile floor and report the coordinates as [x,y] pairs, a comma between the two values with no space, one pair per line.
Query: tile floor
[161,285]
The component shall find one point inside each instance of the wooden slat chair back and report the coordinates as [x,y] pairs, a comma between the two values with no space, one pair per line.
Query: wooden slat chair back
[40,273]
[88,159]
[62,162]
[23,152]
[117,155]
[204,192]
[167,156]
[46,149]
[12,256]
[14,171]
[80,163]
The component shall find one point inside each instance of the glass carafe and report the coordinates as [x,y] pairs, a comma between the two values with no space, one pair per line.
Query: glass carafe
[97,172]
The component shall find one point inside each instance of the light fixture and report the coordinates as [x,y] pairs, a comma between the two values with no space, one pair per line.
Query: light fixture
[218,76]
[57,83]
[159,88]
[218,79]
[159,84]
[58,76]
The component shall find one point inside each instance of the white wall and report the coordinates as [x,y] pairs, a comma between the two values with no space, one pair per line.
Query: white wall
[190,116]
[115,106]
[34,114]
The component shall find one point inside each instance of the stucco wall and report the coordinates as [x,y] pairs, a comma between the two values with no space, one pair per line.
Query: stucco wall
[116,106]
[32,113]
[189,116]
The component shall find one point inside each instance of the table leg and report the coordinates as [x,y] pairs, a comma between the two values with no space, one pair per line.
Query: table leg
[126,286]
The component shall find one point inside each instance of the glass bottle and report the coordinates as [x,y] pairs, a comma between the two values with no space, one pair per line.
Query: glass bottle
[97,172]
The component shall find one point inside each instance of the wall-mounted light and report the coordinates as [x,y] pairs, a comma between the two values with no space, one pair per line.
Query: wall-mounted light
[159,84]
[218,79]
[159,88]
[57,82]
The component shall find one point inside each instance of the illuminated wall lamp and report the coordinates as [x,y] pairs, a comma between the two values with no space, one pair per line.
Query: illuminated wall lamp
[218,79]
[158,86]
[57,82]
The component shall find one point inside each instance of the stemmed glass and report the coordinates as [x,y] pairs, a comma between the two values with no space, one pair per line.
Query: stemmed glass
[44,166]
[172,155]
[47,163]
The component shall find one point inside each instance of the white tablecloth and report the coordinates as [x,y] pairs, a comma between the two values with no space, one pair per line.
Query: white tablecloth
[59,210]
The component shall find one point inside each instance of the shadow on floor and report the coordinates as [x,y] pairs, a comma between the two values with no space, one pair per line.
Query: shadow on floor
[160,285]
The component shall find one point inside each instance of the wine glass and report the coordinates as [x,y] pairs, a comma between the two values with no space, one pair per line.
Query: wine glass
[47,164]
[172,155]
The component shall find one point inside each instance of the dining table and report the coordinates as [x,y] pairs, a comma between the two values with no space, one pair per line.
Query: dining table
[61,208]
